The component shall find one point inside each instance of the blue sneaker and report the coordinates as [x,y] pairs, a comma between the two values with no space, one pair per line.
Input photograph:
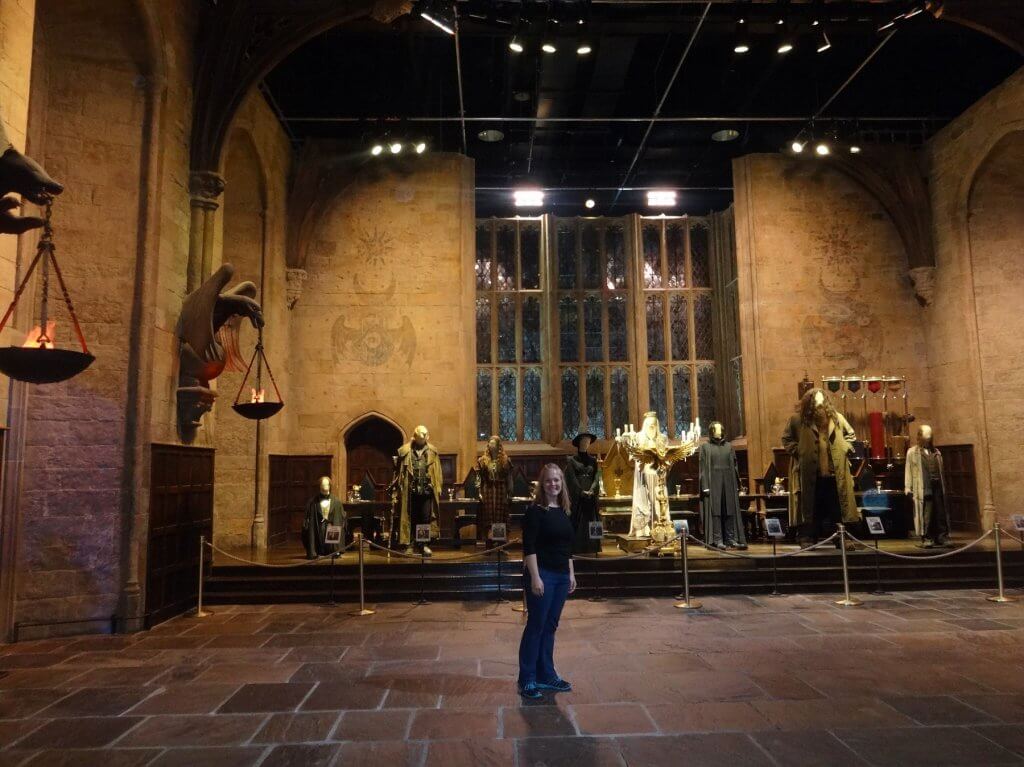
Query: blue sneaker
[531,692]
[557,684]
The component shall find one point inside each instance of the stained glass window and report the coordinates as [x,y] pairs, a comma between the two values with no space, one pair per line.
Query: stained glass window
[531,404]
[675,250]
[617,338]
[507,403]
[531,329]
[681,403]
[483,256]
[506,257]
[590,253]
[615,257]
[529,255]
[652,255]
[592,335]
[703,335]
[680,325]
[595,401]
[483,404]
[656,394]
[620,398]
[483,329]
[655,327]
[699,256]
[568,329]
[706,393]
[566,256]
[506,329]
[570,402]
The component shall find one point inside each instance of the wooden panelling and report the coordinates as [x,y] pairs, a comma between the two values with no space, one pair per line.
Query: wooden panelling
[293,481]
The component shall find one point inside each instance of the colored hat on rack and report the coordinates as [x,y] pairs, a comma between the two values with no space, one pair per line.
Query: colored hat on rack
[581,434]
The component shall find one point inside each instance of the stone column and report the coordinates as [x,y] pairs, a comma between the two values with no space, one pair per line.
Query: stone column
[205,188]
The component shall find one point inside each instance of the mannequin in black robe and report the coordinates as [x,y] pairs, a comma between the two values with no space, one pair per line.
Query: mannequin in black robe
[583,482]
[323,509]
[719,492]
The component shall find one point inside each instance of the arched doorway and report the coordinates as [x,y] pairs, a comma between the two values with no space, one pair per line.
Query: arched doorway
[369,447]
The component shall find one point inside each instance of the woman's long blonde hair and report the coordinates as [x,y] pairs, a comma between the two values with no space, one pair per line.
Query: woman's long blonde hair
[540,497]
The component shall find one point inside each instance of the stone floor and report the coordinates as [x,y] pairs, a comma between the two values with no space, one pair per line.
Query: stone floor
[908,679]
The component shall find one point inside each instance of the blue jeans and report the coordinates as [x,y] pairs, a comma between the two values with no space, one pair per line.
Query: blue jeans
[537,647]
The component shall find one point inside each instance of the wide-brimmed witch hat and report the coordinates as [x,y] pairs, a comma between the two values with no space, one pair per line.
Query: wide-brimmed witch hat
[580,435]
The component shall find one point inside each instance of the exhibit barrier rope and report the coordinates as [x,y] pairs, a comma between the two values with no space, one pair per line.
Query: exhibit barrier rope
[1008,534]
[646,552]
[921,557]
[739,555]
[465,558]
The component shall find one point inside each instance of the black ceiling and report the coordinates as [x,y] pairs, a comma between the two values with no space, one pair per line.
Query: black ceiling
[363,80]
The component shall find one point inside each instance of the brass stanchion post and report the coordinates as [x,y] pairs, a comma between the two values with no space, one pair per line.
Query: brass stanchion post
[200,612]
[1000,597]
[686,603]
[847,600]
[501,597]
[775,572]
[597,579]
[330,576]
[362,611]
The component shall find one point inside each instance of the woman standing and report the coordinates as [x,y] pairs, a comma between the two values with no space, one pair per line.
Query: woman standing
[548,579]
[494,482]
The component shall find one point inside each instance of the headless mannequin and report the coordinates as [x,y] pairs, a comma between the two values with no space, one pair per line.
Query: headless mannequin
[719,486]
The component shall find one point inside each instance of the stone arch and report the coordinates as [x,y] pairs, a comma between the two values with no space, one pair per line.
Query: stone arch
[341,451]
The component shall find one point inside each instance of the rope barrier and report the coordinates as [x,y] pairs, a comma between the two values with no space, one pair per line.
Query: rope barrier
[920,557]
[737,555]
[465,558]
[221,551]
[637,555]
[1012,536]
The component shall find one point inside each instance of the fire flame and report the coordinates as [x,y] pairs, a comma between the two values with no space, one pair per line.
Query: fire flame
[257,396]
[32,339]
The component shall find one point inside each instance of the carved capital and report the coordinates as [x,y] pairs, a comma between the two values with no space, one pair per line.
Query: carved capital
[294,279]
[205,186]
[923,279]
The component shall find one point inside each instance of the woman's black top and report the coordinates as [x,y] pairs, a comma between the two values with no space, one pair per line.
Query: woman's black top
[547,532]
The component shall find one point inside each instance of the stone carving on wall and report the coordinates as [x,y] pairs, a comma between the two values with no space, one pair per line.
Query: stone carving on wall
[923,279]
[204,352]
[294,279]
[847,329]
[374,339]
[374,249]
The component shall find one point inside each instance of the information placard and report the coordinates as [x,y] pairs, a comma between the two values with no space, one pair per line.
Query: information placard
[773,527]
[875,526]
[499,532]
[596,531]
[1018,522]
[332,534]
[422,533]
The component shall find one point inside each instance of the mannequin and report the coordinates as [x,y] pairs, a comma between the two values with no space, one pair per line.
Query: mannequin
[323,509]
[819,441]
[719,492]
[923,481]
[419,487]
[583,480]
[494,483]
[645,479]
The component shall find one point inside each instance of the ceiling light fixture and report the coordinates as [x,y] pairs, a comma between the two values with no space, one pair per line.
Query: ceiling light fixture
[854,149]
[590,204]
[548,48]
[785,46]
[396,147]
[377,149]
[441,17]
[528,198]
[822,149]
[515,46]
[823,42]
[421,147]
[583,49]
[726,134]
[490,135]
[661,198]
[797,146]
[741,48]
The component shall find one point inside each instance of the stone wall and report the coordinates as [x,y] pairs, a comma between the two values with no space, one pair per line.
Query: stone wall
[974,326]
[385,320]
[823,290]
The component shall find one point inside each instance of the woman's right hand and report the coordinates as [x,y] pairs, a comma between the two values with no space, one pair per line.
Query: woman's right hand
[537,587]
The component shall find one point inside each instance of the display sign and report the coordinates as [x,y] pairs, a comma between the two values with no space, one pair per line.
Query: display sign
[499,532]
[1018,522]
[333,534]
[596,531]
[875,526]
[773,527]
[681,526]
[422,533]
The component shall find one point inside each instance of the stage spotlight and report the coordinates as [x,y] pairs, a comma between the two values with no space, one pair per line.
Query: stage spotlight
[490,135]
[515,46]
[548,48]
[590,204]
[785,46]
[741,48]
[823,42]
[421,147]
[528,198]
[376,150]
[822,149]
[661,198]
[395,147]
[583,49]
[797,147]
[854,149]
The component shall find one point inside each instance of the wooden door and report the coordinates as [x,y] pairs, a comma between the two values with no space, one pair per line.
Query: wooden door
[370,447]
[961,486]
[293,481]
[180,510]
